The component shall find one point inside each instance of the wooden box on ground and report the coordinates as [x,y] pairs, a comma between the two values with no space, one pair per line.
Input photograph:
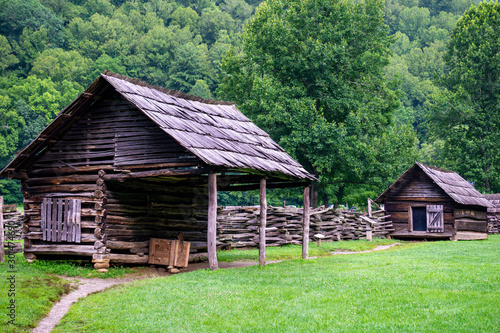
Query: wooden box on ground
[168,252]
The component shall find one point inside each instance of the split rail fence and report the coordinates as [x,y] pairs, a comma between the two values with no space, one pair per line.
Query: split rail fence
[238,226]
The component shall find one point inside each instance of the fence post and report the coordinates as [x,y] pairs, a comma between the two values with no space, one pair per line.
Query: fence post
[212,221]
[369,236]
[305,221]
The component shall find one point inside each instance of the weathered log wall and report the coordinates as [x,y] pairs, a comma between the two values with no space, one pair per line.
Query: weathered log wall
[89,188]
[138,210]
[238,226]
[494,214]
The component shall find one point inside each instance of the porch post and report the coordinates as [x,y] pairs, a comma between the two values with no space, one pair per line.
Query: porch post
[305,219]
[212,221]
[263,218]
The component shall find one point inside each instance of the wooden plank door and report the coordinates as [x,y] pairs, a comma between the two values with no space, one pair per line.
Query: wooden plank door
[61,220]
[435,218]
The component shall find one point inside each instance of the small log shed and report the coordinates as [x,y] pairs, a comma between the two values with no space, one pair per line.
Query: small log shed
[431,203]
[126,162]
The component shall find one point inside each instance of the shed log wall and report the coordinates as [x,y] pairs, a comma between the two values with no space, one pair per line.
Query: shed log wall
[113,133]
[138,210]
[494,214]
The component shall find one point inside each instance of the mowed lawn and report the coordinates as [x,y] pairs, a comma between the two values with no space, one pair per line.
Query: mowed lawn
[421,287]
[28,291]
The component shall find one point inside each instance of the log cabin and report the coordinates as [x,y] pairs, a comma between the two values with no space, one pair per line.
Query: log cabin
[127,162]
[431,203]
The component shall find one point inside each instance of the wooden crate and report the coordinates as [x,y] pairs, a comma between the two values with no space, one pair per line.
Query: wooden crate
[168,252]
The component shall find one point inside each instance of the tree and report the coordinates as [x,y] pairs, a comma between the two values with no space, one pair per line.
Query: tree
[10,125]
[45,97]
[30,45]
[201,89]
[60,65]
[16,15]
[310,73]
[413,20]
[467,113]
[7,59]
[188,66]
[184,17]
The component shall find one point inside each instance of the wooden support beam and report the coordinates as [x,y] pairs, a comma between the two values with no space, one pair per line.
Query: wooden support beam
[212,221]
[305,219]
[250,187]
[263,218]
[155,173]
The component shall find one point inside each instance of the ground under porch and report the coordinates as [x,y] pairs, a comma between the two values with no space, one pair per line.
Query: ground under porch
[141,209]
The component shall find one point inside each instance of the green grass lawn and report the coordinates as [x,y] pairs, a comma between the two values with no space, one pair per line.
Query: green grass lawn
[33,292]
[36,287]
[423,287]
[295,251]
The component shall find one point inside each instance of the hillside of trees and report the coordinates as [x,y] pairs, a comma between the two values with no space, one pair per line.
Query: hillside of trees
[51,50]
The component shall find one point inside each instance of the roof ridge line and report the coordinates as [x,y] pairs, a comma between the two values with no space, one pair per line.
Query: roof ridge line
[171,92]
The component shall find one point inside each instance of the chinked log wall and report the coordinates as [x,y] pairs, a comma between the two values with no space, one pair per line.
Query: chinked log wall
[238,226]
[494,217]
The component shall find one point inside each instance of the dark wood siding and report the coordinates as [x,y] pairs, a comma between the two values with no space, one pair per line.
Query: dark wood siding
[138,210]
[114,133]
[470,218]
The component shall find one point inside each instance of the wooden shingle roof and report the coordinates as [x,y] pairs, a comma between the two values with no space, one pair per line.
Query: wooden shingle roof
[216,132]
[495,202]
[457,188]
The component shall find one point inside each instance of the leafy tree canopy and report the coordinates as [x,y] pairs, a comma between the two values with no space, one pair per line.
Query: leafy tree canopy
[16,15]
[310,73]
[467,114]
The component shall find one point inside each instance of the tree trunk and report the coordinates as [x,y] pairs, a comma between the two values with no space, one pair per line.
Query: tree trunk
[340,196]
[325,200]
[314,195]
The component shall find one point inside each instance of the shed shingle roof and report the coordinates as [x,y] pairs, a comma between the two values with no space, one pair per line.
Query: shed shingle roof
[459,190]
[216,132]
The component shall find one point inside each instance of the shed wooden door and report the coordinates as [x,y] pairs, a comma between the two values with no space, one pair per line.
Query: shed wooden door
[61,220]
[419,218]
[435,218]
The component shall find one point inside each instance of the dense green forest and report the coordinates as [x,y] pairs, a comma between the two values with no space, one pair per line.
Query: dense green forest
[51,50]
